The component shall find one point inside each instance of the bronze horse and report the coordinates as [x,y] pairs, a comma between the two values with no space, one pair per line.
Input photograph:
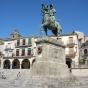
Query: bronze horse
[49,22]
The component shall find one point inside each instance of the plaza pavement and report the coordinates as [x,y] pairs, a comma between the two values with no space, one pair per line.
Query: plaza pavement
[78,79]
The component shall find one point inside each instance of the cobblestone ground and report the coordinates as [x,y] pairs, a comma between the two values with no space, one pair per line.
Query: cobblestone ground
[73,82]
[24,81]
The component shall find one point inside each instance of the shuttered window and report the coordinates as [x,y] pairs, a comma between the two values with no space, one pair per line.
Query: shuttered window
[29,51]
[17,52]
[29,41]
[18,42]
[23,52]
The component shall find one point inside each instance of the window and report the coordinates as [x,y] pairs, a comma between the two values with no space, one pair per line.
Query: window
[29,51]
[76,49]
[0,53]
[70,39]
[17,52]
[18,42]
[85,51]
[23,52]
[13,36]
[23,41]
[80,41]
[39,50]
[29,41]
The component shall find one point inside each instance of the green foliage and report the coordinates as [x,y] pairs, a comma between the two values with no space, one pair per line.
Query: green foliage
[81,61]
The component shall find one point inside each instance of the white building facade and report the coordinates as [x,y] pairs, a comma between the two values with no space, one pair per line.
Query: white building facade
[71,46]
[17,52]
[20,52]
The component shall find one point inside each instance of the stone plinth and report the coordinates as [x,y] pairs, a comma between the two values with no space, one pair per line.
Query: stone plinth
[50,59]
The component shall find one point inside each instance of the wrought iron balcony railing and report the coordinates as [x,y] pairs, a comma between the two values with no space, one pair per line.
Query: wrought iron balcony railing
[14,56]
[26,45]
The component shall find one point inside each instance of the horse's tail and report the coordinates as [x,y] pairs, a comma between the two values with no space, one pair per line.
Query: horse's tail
[59,28]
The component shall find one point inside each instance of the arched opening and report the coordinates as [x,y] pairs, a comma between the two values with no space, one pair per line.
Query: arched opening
[25,64]
[68,62]
[0,63]
[15,64]
[85,51]
[39,50]
[6,64]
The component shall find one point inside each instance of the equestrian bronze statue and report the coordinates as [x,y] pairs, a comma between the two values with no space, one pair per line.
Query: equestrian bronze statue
[49,21]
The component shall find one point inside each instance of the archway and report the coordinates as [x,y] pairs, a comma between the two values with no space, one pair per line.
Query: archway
[85,51]
[6,64]
[15,64]
[68,62]
[25,64]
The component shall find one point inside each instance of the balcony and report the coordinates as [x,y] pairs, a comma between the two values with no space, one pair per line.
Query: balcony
[17,57]
[8,49]
[24,57]
[31,55]
[7,57]
[26,45]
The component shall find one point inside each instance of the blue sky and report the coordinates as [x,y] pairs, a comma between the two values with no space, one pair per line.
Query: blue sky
[25,15]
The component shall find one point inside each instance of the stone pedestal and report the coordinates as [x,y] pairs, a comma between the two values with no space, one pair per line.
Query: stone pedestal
[49,68]
[50,59]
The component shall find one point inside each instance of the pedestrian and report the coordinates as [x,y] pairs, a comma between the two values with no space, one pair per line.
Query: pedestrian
[18,75]
[3,76]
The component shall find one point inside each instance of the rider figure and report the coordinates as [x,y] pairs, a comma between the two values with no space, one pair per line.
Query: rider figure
[52,12]
[49,20]
[49,11]
[45,10]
